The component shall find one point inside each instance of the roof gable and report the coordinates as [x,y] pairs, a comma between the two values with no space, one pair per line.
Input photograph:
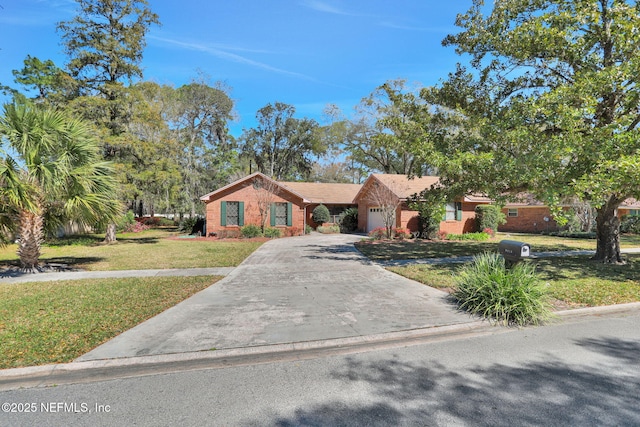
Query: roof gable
[401,186]
[249,178]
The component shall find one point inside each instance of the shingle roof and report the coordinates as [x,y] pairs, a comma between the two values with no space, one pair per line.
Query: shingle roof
[529,200]
[477,198]
[209,196]
[328,193]
[524,200]
[631,203]
[404,187]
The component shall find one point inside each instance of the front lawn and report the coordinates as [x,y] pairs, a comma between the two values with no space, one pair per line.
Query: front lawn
[152,249]
[56,322]
[379,250]
[573,281]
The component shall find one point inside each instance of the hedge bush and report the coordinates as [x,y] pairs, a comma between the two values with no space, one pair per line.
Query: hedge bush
[321,214]
[630,224]
[272,233]
[401,233]
[331,229]
[378,233]
[125,221]
[250,230]
[489,216]
[510,296]
[187,225]
[348,220]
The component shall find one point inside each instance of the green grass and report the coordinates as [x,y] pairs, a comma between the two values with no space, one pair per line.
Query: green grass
[417,249]
[572,281]
[138,251]
[56,322]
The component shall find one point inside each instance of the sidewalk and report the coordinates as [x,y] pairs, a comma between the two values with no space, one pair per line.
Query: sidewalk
[17,277]
[460,259]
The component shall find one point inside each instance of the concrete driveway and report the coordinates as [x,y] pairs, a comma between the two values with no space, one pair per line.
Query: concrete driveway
[306,288]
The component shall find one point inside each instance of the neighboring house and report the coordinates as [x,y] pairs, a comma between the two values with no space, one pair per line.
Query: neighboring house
[285,205]
[629,207]
[382,189]
[529,215]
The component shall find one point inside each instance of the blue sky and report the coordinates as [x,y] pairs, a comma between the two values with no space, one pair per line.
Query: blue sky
[307,53]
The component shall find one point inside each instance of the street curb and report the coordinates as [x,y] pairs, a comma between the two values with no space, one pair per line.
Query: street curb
[605,310]
[110,369]
[119,368]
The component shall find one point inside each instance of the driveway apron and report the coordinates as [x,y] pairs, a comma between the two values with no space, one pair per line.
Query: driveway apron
[306,288]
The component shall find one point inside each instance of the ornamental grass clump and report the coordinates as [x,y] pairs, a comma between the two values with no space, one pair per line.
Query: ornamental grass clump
[512,296]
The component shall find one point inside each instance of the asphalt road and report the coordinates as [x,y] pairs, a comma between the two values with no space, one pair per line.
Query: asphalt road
[583,373]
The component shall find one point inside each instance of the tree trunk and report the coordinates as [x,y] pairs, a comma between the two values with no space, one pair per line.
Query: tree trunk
[30,240]
[110,235]
[608,232]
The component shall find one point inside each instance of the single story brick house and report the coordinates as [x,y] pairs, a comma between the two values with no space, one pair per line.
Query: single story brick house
[289,205]
[529,215]
[285,205]
[459,217]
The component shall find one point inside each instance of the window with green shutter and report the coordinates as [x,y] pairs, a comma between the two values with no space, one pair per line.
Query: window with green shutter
[231,213]
[240,214]
[281,214]
[272,215]
[453,212]
[450,212]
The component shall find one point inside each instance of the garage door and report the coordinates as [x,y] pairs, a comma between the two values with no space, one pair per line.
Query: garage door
[374,219]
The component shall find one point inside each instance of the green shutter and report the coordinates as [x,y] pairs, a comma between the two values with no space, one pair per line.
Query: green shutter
[240,214]
[289,214]
[273,214]
[223,214]
[458,211]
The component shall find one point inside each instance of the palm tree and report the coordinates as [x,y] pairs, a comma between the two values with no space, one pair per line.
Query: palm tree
[57,175]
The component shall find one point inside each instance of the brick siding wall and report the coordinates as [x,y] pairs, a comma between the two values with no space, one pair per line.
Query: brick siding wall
[247,194]
[529,220]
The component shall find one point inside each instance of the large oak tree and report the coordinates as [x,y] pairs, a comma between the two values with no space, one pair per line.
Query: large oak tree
[281,145]
[551,106]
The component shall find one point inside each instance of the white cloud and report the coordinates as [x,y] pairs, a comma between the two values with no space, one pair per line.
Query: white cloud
[325,7]
[222,52]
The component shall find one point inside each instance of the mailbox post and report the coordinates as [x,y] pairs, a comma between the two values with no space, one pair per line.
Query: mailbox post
[514,251]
